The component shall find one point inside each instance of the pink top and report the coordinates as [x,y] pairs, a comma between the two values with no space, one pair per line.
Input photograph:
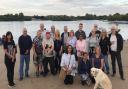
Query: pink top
[81,46]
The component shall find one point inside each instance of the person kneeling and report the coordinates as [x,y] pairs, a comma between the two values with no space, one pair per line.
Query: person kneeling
[68,65]
[84,67]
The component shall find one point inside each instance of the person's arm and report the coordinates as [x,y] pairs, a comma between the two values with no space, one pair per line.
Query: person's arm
[33,46]
[14,51]
[102,64]
[30,43]
[77,47]
[84,35]
[19,42]
[67,43]
[5,50]
[52,48]
[62,64]
[121,42]
[43,44]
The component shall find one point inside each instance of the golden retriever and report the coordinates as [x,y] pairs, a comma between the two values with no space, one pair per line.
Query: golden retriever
[102,80]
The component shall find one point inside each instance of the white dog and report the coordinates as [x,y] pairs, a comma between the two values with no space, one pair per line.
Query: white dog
[102,80]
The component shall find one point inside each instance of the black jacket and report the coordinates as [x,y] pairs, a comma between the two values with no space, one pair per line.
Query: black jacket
[62,38]
[25,43]
[104,45]
[119,42]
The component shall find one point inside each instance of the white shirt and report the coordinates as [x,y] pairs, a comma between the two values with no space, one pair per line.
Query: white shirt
[113,40]
[68,61]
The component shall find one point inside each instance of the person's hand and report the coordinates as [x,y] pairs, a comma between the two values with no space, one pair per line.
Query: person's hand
[65,67]
[26,52]
[35,54]
[13,58]
[10,57]
[68,72]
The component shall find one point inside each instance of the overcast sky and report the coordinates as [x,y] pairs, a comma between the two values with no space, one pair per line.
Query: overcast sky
[64,7]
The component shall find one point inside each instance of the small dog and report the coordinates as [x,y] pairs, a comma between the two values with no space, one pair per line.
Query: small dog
[102,80]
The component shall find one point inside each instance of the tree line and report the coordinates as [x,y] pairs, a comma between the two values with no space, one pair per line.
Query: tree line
[21,17]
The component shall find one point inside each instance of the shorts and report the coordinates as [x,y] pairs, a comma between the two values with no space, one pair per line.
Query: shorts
[38,60]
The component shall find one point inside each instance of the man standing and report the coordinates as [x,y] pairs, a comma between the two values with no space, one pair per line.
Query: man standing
[64,38]
[43,30]
[25,45]
[80,32]
[64,35]
[116,46]
[53,32]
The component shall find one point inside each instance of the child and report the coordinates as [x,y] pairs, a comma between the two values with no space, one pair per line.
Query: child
[84,67]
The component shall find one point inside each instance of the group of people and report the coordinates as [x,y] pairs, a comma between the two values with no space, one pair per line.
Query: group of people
[70,53]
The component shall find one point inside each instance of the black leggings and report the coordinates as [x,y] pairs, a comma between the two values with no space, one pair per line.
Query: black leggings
[57,62]
[10,71]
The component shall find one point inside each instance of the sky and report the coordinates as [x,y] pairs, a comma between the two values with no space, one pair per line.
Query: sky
[63,7]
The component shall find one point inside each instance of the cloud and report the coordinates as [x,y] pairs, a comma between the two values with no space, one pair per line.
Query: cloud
[68,7]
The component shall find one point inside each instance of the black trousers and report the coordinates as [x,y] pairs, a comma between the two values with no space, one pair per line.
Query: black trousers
[50,61]
[10,70]
[117,56]
[57,61]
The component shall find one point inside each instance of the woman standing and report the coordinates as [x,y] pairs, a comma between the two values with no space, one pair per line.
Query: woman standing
[81,46]
[104,45]
[37,53]
[93,42]
[68,64]
[58,50]
[10,58]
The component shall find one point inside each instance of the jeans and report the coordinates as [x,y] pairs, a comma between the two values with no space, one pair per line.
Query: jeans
[26,59]
[117,56]
[106,66]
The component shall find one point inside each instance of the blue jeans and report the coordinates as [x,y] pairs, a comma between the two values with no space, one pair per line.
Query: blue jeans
[106,66]
[26,59]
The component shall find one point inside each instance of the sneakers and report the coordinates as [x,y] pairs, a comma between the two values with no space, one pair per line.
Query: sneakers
[11,85]
[122,78]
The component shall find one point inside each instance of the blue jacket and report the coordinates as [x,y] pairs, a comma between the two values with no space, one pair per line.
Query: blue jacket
[84,67]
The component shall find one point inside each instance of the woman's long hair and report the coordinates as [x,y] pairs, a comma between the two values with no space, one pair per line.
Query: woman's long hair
[67,49]
[57,34]
[9,33]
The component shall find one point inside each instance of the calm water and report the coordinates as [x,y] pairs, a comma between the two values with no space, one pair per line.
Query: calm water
[33,26]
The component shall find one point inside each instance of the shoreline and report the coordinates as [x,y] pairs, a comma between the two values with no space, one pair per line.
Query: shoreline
[53,82]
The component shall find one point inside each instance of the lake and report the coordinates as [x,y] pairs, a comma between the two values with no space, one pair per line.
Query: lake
[16,26]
